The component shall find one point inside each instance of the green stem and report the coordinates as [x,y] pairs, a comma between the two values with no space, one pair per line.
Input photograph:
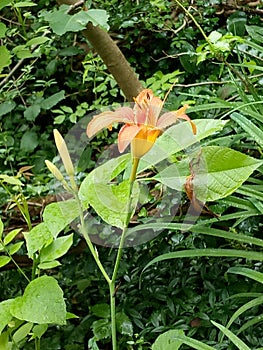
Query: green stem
[88,241]
[119,255]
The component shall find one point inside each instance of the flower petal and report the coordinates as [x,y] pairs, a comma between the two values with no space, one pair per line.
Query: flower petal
[106,119]
[147,108]
[126,134]
[170,118]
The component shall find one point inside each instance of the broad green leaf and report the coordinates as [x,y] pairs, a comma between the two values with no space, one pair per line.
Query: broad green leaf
[4,3]
[6,107]
[225,170]
[124,324]
[37,238]
[101,310]
[11,235]
[244,271]
[32,112]
[29,141]
[22,51]
[5,315]
[168,340]
[38,330]
[5,57]
[4,260]
[192,253]
[256,33]
[11,180]
[41,303]
[237,341]
[179,137]
[22,332]
[254,131]
[56,249]
[52,100]
[61,22]
[60,214]
[101,329]
[110,201]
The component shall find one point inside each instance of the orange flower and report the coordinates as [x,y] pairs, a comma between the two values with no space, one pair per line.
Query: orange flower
[142,123]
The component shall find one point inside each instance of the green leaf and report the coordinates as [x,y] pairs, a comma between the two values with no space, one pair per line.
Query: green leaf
[1,227]
[24,4]
[3,29]
[49,265]
[5,57]
[37,238]
[22,332]
[4,337]
[5,315]
[41,303]
[32,112]
[101,310]
[11,235]
[237,341]
[124,324]
[255,275]
[168,341]
[255,132]
[11,180]
[29,141]
[179,137]
[256,33]
[222,172]
[4,260]
[61,22]
[107,199]
[37,41]
[101,329]
[56,249]
[7,107]
[52,100]
[4,3]
[60,214]
[38,330]
[192,253]
[13,248]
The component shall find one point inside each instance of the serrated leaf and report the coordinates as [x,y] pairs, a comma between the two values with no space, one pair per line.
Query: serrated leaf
[11,235]
[101,329]
[41,303]
[56,249]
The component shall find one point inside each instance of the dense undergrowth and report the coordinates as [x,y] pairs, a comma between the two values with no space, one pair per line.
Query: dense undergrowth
[56,83]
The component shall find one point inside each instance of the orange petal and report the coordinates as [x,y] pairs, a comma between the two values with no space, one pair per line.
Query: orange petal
[126,135]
